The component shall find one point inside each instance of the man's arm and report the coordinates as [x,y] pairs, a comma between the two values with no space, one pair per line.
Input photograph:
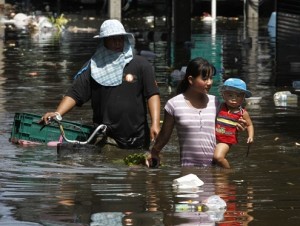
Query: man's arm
[66,104]
[154,110]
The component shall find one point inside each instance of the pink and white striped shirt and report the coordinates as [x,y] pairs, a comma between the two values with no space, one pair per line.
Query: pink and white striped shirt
[195,130]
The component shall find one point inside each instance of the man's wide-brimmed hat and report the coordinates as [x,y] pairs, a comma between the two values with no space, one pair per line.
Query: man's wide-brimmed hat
[236,84]
[113,27]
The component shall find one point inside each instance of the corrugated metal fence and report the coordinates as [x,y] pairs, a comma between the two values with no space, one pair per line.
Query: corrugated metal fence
[288,42]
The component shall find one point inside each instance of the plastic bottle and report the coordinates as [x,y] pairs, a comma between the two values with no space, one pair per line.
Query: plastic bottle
[186,207]
[215,203]
[212,204]
[285,96]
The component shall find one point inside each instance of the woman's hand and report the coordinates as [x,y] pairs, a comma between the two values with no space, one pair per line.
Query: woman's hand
[153,159]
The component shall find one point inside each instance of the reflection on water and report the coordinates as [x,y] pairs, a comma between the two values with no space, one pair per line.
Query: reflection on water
[40,188]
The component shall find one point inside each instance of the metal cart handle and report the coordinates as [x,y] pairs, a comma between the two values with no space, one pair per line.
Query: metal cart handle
[58,119]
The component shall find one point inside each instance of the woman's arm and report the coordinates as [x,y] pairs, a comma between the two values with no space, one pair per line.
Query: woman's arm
[164,135]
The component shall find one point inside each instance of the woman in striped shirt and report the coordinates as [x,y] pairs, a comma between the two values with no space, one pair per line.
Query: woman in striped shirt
[193,113]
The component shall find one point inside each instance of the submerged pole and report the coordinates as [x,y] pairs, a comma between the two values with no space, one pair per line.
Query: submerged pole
[114,9]
[252,8]
[214,9]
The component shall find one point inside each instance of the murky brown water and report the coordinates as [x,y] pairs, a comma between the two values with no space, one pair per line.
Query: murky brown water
[39,188]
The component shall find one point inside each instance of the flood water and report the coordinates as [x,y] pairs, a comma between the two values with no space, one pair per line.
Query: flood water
[37,187]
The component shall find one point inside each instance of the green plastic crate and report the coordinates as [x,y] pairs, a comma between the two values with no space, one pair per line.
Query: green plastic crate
[26,127]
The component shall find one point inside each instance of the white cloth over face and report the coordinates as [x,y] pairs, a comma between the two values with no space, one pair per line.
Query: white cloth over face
[107,66]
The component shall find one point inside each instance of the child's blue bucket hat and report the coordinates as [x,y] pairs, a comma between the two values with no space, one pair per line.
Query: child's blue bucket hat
[236,84]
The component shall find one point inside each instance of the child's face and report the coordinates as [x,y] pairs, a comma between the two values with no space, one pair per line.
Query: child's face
[233,98]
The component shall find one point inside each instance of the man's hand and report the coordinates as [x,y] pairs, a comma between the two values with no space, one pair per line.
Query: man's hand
[46,118]
[154,131]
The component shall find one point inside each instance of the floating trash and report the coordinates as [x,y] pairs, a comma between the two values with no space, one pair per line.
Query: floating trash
[187,196]
[253,100]
[107,218]
[188,181]
[214,207]
[285,98]
[129,194]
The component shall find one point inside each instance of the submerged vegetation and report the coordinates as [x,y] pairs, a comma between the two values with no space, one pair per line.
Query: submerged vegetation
[59,22]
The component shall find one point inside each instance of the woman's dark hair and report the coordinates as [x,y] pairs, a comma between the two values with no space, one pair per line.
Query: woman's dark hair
[196,67]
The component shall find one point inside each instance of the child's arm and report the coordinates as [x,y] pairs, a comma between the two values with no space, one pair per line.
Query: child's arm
[250,127]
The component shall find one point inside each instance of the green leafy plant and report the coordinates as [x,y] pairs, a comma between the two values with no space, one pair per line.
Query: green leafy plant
[135,159]
[59,21]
